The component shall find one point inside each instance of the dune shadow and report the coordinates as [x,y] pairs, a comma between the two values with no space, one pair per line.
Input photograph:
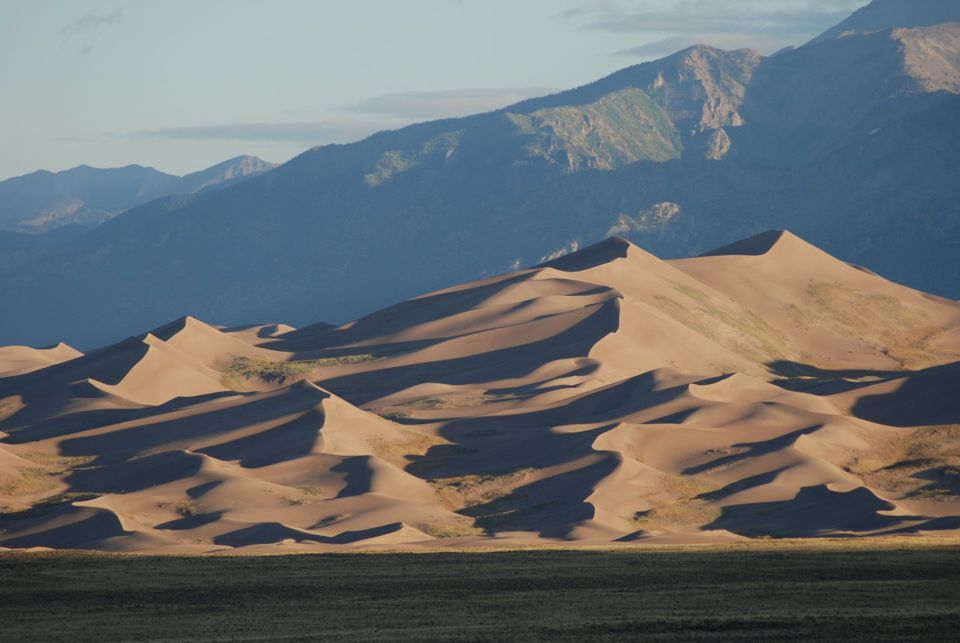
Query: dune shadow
[191,522]
[255,408]
[506,363]
[491,449]
[753,450]
[48,391]
[551,507]
[71,423]
[201,489]
[289,441]
[742,485]
[135,474]
[274,532]
[923,398]
[70,527]
[358,476]
[814,511]
[612,402]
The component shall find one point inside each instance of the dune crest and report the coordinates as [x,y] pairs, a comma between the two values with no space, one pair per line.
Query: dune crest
[20,360]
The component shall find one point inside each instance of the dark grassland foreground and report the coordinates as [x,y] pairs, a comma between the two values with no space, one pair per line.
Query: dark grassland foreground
[893,591]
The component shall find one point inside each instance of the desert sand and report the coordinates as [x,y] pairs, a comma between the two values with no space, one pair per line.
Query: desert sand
[764,389]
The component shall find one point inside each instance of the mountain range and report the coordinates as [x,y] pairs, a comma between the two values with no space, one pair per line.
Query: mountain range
[850,141]
[84,195]
[765,389]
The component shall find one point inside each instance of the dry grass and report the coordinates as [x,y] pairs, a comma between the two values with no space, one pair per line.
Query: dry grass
[31,481]
[741,331]
[404,447]
[10,405]
[28,482]
[462,492]
[187,508]
[278,372]
[457,401]
[40,507]
[56,462]
[678,504]
[677,514]
[904,334]
[847,590]
[451,530]
[924,462]
[772,343]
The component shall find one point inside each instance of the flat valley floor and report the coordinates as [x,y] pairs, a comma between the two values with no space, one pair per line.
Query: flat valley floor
[888,589]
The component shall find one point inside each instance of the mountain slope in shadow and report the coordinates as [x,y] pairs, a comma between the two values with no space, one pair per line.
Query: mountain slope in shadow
[849,141]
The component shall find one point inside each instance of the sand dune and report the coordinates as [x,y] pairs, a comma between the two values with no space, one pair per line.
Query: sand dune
[19,360]
[763,389]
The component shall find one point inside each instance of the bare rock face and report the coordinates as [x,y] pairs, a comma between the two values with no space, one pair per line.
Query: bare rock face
[718,145]
[705,93]
[656,217]
[932,57]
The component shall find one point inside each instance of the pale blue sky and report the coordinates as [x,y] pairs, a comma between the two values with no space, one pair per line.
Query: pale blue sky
[183,84]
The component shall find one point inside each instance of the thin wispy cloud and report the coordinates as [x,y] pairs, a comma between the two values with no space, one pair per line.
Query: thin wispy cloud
[672,44]
[730,24]
[87,28]
[389,111]
[445,104]
[307,133]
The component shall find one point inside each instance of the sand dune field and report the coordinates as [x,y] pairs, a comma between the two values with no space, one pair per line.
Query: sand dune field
[765,389]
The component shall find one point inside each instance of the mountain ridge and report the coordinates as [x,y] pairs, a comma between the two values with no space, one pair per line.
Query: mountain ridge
[842,141]
[44,200]
[881,15]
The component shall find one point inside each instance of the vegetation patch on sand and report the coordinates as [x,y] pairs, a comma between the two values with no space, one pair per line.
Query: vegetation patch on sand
[279,372]
[405,446]
[56,463]
[461,492]
[902,333]
[922,463]
[743,332]
[451,529]
[679,504]
[459,401]
[46,505]
[27,482]
[772,342]
[45,477]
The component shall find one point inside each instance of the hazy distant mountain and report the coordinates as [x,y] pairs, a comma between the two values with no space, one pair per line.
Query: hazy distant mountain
[222,174]
[84,195]
[891,14]
[852,142]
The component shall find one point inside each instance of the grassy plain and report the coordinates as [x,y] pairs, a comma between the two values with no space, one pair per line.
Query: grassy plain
[775,590]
